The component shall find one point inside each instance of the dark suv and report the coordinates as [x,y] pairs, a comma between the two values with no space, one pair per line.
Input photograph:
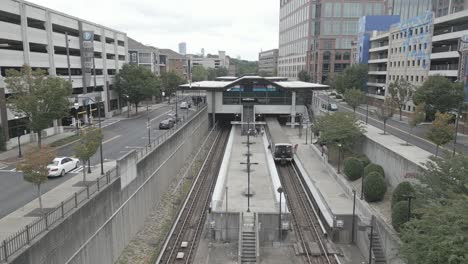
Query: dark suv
[166,124]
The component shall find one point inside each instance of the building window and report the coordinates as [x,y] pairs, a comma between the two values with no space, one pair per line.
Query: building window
[346,56]
[338,56]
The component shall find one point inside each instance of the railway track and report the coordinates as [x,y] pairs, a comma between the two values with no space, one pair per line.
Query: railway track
[306,220]
[182,241]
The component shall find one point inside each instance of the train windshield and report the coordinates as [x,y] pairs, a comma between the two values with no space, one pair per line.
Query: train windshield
[283,149]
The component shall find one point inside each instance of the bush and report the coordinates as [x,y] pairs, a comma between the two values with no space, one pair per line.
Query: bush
[399,214]
[374,168]
[353,169]
[374,187]
[332,94]
[364,159]
[403,189]
[339,96]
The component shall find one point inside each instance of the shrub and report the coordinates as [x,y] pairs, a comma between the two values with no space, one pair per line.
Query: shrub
[353,169]
[364,159]
[374,168]
[401,191]
[332,94]
[374,187]
[399,214]
[339,96]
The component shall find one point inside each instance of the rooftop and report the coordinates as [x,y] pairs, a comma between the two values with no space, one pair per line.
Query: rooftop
[227,82]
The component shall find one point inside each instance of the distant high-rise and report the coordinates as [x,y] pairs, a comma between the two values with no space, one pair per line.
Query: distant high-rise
[182,48]
[407,9]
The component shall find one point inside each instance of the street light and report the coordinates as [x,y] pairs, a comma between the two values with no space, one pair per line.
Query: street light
[280,191]
[76,106]
[409,197]
[18,131]
[339,157]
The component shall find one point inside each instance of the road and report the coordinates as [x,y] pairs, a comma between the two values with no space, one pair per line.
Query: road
[119,138]
[399,129]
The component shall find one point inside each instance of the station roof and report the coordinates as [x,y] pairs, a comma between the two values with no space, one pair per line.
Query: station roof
[225,83]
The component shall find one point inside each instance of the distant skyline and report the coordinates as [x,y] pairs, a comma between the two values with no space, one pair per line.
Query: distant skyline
[241,27]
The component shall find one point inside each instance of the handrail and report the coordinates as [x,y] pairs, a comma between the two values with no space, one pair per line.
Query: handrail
[257,238]
[239,254]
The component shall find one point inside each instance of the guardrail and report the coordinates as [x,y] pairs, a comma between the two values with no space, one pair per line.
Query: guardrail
[25,235]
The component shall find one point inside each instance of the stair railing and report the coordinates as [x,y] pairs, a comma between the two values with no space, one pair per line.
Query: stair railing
[257,238]
[241,220]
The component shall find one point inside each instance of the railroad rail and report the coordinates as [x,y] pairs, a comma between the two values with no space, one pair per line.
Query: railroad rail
[182,241]
[305,218]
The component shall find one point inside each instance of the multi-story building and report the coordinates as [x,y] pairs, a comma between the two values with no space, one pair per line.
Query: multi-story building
[210,61]
[183,48]
[40,37]
[268,62]
[447,7]
[411,8]
[146,56]
[316,35]
[173,61]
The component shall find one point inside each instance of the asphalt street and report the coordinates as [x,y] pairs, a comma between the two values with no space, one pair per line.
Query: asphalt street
[399,129]
[120,137]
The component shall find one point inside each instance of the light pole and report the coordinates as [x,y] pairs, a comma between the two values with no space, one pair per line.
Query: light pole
[18,131]
[409,197]
[362,186]
[280,191]
[148,125]
[354,216]
[76,106]
[339,157]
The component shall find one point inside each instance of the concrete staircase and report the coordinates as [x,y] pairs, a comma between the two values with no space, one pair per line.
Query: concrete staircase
[249,239]
[377,249]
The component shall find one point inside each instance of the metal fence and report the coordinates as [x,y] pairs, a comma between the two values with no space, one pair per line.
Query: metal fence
[25,235]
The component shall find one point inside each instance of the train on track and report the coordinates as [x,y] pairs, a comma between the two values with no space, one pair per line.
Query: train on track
[281,147]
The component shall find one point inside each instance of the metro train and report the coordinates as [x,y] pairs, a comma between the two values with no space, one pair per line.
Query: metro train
[280,146]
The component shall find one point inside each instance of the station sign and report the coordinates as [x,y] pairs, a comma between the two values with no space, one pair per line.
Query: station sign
[87,54]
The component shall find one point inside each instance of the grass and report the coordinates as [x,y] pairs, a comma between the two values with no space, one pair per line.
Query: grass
[64,141]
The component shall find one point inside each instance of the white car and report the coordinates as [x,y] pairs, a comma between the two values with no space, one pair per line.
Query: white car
[183,105]
[60,166]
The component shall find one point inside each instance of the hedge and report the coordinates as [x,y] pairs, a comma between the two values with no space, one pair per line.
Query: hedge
[374,168]
[399,214]
[374,187]
[353,169]
[401,191]
[364,159]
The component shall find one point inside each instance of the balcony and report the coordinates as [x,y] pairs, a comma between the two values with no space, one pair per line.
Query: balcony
[444,67]
[377,82]
[449,35]
[445,55]
[378,72]
[381,48]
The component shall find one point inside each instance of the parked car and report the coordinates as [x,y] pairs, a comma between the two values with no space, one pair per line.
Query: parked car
[172,118]
[184,105]
[60,166]
[333,107]
[166,124]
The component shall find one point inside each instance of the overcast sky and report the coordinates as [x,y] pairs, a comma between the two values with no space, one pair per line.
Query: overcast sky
[240,27]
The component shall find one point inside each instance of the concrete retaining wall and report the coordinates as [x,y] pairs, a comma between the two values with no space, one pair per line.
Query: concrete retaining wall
[216,223]
[98,231]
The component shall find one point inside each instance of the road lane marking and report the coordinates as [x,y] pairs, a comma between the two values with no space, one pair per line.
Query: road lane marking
[110,139]
[159,116]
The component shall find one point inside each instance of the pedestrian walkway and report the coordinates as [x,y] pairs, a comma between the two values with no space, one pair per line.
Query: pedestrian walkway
[18,219]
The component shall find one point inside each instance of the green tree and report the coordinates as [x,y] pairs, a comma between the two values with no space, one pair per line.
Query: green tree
[354,98]
[34,167]
[401,92]
[339,128]
[440,235]
[170,81]
[355,76]
[221,71]
[211,74]
[39,97]
[136,83]
[385,112]
[244,67]
[303,76]
[337,82]
[199,73]
[439,94]
[441,132]
[87,146]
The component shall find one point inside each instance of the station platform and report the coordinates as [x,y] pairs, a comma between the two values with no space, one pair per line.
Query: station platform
[234,177]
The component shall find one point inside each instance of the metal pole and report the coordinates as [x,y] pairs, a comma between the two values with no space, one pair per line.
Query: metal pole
[354,216]
[362,187]
[148,125]
[409,207]
[89,166]
[19,141]
[100,143]
[68,56]
[456,130]
[307,133]
[339,159]
[279,220]
[371,238]
[367,108]
[226,213]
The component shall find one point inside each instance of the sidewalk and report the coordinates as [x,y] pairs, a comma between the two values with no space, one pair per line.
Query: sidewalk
[10,157]
[18,219]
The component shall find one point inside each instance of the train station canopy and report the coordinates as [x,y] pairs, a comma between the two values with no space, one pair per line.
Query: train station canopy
[225,83]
